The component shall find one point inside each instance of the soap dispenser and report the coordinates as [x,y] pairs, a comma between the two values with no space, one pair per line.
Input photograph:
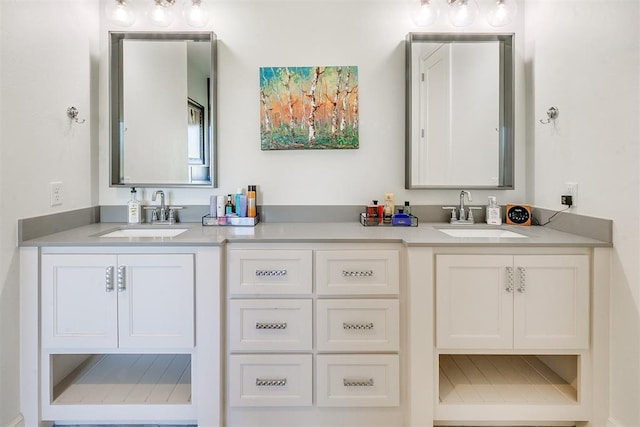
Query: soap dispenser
[133,209]
[493,212]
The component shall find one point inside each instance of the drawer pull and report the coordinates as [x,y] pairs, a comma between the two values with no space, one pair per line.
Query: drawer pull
[523,280]
[509,287]
[122,286]
[367,273]
[357,326]
[271,325]
[357,382]
[271,382]
[271,273]
[109,278]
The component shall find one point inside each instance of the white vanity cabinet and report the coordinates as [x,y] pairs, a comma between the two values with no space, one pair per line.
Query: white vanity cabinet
[312,329]
[110,335]
[127,301]
[521,302]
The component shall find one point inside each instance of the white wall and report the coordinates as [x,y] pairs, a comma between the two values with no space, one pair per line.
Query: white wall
[45,66]
[584,58]
[369,34]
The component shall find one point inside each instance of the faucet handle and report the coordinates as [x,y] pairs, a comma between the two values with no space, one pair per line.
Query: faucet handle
[471,209]
[453,212]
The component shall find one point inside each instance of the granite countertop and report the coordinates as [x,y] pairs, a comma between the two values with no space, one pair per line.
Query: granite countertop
[426,234]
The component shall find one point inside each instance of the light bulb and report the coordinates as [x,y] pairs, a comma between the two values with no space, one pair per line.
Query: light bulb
[161,13]
[502,12]
[425,13]
[196,13]
[120,13]
[462,12]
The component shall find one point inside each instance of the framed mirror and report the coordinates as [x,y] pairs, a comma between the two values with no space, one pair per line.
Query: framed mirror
[162,109]
[460,111]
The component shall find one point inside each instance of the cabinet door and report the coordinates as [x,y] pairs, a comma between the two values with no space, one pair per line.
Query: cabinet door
[156,300]
[79,301]
[551,302]
[474,301]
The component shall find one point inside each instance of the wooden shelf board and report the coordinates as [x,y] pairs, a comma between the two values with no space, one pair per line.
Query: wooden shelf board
[128,379]
[500,379]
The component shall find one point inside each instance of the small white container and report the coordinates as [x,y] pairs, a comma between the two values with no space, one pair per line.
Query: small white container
[134,214]
[493,212]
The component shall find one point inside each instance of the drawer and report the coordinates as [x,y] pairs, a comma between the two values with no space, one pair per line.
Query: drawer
[358,380]
[266,325]
[270,272]
[270,380]
[357,325]
[358,272]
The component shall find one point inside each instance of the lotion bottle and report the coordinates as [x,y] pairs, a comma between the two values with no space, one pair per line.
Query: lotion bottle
[133,209]
[251,201]
[493,212]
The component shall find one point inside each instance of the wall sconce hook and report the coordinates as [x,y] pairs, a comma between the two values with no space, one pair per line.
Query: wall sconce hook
[72,113]
[552,114]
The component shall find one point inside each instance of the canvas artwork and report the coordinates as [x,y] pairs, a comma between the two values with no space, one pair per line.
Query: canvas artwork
[309,107]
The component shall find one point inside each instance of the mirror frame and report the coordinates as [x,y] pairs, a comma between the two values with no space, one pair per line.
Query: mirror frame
[116,105]
[506,107]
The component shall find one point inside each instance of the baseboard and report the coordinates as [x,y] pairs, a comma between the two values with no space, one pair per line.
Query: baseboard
[18,421]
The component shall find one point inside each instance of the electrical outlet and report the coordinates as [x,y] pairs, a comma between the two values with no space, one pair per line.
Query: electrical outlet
[55,193]
[571,189]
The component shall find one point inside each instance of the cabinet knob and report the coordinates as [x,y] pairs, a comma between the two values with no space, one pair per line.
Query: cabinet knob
[367,273]
[122,286]
[357,382]
[271,325]
[523,279]
[267,273]
[109,278]
[271,382]
[509,287]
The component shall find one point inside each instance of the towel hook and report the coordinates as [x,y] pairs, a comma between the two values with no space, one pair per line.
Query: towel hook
[72,113]
[552,114]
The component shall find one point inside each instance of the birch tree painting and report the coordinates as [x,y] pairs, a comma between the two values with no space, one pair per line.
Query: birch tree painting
[308,107]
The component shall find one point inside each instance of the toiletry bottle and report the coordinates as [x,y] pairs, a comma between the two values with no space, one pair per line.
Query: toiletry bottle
[407,208]
[133,209]
[228,207]
[389,207]
[251,201]
[220,202]
[213,200]
[493,212]
[372,209]
[236,201]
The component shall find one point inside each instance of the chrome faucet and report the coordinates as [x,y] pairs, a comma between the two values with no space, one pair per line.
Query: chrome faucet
[462,193]
[163,214]
[462,218]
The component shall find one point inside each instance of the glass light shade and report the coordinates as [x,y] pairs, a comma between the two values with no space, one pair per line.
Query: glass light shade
[502,12]
[425,13]
[161,13]
[462,12]
[196,13]
[120,13]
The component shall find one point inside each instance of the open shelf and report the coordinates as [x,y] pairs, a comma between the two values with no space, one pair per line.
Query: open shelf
[507,379]
[124,379]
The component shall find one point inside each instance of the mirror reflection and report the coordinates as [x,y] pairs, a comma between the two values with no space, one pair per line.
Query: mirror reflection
[162,109]
[459,111]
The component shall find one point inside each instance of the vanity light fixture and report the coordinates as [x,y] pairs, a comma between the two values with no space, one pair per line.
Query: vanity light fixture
[120,13]
[462,12]
[161,12]
[502,12]
[425,13]
[196,13]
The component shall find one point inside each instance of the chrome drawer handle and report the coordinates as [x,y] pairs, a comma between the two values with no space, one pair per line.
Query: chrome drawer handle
[109,278]
[271,382]
[367,273]
[357,326]
[122,286]
[357,382]
[509,279]
[271,325]
[523,280]
[269,273]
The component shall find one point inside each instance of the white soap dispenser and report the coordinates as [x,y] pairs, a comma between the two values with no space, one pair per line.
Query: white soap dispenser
[493,212]
[133,209]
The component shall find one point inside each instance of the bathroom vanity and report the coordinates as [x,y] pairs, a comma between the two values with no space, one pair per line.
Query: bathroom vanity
[331,324]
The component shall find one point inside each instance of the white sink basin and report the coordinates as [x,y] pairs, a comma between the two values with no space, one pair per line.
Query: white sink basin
[481,233]
[145,232]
